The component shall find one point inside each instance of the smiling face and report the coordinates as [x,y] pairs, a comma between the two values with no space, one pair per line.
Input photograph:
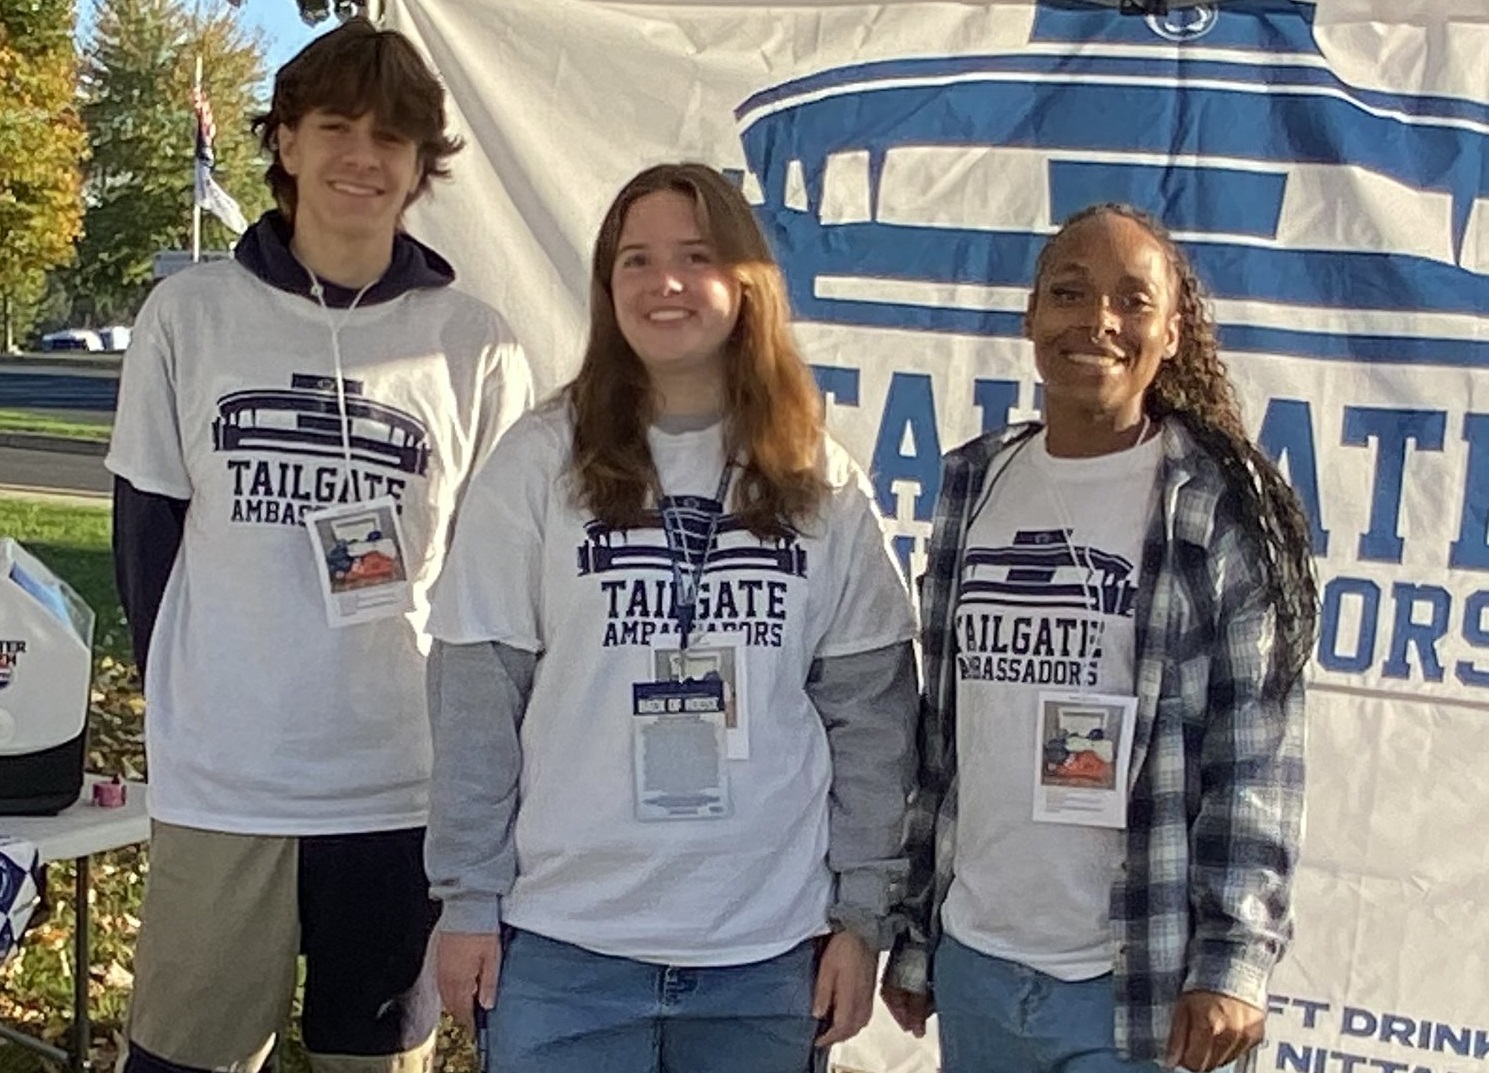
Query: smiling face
[353,177]
[1103,319]
[675,303]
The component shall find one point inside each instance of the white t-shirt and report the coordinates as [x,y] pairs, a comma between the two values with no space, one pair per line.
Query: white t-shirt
[1029,619]
[263,719]
[531,569]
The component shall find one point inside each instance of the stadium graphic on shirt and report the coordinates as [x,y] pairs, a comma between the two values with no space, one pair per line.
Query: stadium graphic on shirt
[915,194]
[1042,568]
[645,547]
[305,419]
[1036,611]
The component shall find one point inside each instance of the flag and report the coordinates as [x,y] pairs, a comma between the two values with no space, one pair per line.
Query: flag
[210,195]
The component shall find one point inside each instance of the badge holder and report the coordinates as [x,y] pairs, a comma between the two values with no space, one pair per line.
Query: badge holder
[1082,753]
[360,561]
[718,662]
[679,753]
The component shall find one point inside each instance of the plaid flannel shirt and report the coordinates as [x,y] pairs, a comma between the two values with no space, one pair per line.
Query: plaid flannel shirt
[1202,900]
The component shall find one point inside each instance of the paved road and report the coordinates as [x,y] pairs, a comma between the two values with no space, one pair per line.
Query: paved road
[53,471]
[91,390]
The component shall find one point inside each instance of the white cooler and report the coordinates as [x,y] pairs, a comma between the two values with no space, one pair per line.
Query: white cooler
[46,668]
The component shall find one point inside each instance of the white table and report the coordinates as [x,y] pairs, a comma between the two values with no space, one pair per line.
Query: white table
[76,833]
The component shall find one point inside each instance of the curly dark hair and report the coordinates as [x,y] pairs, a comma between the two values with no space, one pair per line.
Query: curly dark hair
[1195,389]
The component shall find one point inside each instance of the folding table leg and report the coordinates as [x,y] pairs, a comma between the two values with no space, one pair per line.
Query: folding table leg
[82,969]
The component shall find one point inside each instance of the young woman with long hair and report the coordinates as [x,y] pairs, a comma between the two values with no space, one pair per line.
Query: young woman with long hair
[1117,611]
[673,692]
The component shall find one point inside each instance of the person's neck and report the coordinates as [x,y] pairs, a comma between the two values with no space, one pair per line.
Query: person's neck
[350,263]
[1087,435]
[688,395]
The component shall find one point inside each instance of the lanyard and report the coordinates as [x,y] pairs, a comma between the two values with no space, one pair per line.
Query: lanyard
[685,582]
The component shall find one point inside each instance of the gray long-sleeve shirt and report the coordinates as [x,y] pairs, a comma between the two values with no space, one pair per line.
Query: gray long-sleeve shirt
[477,697]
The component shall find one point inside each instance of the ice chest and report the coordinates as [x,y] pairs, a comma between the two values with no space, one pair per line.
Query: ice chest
[46,644]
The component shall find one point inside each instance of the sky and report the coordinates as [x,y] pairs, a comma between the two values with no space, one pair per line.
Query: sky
[284,33]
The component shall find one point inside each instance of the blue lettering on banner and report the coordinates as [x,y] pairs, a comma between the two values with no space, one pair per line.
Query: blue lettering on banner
[1287,438]
[1471,550]
[1417,629]
[996,399]
[1476,634]
[1392,430]
[1362,653]
[1423,636]
[1366,1030]
[910,408]
[837,385]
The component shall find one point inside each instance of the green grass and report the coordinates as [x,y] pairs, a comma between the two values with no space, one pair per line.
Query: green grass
[74,542]
[39,421]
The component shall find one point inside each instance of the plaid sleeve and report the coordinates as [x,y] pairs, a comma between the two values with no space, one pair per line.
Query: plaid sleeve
[1244,841]
[909,961]
[931,816]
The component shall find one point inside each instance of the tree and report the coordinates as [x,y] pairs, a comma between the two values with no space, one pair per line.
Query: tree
[42,146]
[139,67]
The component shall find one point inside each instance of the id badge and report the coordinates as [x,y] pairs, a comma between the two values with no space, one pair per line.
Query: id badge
[723,663]
[679,757]
[360,561]
[1083,749]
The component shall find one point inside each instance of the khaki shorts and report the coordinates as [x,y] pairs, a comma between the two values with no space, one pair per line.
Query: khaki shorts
[225,920]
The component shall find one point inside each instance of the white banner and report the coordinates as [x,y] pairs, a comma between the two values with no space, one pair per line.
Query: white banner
[1325,166]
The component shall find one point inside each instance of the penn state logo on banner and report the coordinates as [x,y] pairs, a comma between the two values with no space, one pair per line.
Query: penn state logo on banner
[1185,24]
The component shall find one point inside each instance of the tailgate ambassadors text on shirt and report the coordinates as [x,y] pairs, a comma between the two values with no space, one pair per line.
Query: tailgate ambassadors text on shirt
[285,453]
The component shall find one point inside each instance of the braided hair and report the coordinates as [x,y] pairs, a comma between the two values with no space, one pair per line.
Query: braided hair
[1194,389]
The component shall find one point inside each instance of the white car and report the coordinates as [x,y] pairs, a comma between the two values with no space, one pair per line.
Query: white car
[72,339]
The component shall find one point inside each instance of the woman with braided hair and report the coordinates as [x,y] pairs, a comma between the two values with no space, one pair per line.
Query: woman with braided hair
[1117,610]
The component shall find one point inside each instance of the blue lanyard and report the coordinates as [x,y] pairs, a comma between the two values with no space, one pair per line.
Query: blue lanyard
[685,583]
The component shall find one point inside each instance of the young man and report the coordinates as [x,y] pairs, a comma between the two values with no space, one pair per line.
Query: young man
[294,431]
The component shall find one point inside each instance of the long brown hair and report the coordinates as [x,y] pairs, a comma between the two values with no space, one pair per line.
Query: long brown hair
[1194,388]
[773,424]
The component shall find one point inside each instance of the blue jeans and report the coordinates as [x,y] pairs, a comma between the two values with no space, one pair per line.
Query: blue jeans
[563,1009]
[1002,1017]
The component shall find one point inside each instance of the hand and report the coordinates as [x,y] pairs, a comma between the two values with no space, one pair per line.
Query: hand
[466,966]
[845,987]
[1211,1030]
[908,1008]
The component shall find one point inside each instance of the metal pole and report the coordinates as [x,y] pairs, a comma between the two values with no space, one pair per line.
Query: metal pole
[31,1043]
[82,1032]
[196,166]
